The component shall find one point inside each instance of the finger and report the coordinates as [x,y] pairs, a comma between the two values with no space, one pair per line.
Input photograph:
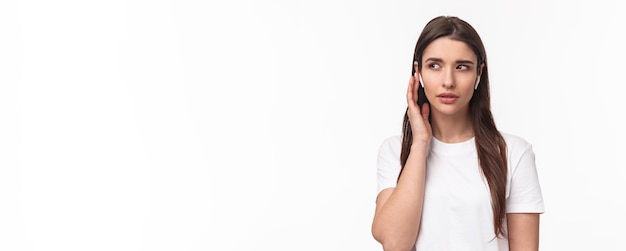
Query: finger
[416,86]
[409,93]
[425,111]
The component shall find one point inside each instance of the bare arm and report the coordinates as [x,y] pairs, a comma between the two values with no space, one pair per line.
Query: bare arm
[399,210]
[523,231]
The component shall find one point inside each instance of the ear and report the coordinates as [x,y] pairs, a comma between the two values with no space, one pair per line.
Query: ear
[416,66]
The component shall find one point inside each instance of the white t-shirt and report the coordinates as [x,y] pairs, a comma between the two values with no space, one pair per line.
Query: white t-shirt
[457,213]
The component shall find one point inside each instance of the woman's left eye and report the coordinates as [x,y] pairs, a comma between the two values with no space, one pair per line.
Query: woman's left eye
[462,67]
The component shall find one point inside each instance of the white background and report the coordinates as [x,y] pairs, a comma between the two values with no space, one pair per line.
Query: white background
[254,125]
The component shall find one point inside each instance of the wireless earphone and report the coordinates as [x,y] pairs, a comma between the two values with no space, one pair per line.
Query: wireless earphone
[477,81]
[421,81]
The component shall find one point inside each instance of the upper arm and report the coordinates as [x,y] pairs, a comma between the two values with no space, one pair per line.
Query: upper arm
[382,198]
[524,195]
[388,164]
[523,231]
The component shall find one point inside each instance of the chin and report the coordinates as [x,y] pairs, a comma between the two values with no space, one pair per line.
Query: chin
[449,110]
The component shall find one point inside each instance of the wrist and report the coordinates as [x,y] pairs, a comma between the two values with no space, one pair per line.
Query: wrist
[420,146]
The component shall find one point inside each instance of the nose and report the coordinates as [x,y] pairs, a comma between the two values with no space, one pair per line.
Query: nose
[448,80]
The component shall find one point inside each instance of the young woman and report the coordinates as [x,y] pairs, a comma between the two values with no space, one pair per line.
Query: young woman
[452,181]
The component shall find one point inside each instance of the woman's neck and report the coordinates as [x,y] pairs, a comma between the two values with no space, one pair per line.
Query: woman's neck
[452,128]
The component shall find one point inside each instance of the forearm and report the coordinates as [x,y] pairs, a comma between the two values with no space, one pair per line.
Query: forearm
[397,221]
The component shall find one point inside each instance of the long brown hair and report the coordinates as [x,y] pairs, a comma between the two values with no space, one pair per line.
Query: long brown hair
[490,145]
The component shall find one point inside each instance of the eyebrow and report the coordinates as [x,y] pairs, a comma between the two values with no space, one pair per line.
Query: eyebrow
[460,61]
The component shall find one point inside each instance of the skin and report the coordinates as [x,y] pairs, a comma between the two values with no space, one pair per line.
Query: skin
[449,66]
[523,231]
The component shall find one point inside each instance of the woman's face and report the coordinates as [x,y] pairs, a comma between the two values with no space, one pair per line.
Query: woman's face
[449,72]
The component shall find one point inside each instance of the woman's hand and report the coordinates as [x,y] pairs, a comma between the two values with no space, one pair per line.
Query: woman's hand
[420,126]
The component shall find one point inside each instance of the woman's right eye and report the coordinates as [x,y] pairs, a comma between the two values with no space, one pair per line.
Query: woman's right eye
[434,66]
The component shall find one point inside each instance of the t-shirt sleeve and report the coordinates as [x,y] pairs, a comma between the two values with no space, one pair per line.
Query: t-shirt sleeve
[524,190]
[388,164]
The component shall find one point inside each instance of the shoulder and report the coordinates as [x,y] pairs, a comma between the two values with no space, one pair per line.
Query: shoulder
[391,145]
[517,148]
[515,142]
[392,140]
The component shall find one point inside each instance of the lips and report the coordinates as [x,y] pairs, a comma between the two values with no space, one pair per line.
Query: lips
[447,98]
[447,95]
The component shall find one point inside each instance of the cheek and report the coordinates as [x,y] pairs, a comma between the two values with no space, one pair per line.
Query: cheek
[430,95]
